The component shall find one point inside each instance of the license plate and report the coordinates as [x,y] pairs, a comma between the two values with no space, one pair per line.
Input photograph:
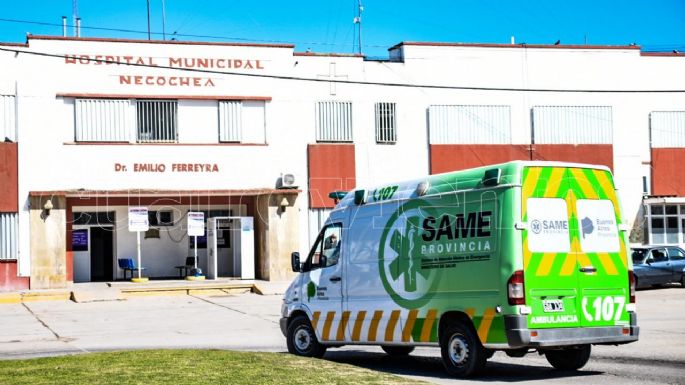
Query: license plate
[553,305]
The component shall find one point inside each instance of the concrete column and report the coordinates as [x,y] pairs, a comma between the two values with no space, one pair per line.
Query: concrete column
[48,242]
[278,234]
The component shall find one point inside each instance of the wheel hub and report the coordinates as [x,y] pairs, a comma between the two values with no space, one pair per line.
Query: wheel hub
[458,350]
[303,339]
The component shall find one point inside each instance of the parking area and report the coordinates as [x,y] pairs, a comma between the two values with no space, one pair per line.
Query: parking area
[250,322]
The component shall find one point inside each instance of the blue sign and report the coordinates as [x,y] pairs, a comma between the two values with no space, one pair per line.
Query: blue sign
[79,240]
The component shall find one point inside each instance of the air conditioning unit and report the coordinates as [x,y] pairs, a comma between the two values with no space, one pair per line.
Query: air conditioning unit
[286,181]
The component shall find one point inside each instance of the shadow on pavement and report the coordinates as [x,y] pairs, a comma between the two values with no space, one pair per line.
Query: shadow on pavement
[424,366]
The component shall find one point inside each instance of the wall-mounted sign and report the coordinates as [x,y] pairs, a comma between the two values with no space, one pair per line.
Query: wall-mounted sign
[196,224]
[138,219]
[79,240]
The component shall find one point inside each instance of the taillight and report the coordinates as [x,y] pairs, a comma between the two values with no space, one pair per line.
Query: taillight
[631,285]
[515,289]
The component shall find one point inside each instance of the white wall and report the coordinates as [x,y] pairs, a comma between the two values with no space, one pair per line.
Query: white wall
[49,160]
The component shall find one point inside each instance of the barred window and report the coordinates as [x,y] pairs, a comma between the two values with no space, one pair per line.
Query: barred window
[242,121]
[334,121]
[385,123]
[157,121]
[8,236]
[7,118]
[103,120]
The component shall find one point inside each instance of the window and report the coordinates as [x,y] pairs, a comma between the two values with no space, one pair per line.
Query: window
[8,129]
[8,235]
[94,218]
[666,223]
[156,121]
[103,120]
[572,125]
[675,254]
[385,123]
[658,255]
[667,129]
[160,218]
[473,124]
[242,121]
[326,250]
[334,121]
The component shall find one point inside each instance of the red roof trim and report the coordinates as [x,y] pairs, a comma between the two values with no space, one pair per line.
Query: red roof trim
[14,44]
[101,39]
[493,45]
[81,193]
[663,54]
[317,54]
[180,97]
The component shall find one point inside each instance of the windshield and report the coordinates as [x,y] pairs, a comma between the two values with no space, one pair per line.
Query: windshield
[639,255]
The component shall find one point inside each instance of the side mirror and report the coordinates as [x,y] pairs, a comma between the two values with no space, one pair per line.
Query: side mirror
[295,262]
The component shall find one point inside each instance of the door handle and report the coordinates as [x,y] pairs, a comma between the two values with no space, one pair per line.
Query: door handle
[588,269]
[335,279]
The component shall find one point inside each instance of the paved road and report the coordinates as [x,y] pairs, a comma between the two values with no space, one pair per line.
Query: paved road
[250,322]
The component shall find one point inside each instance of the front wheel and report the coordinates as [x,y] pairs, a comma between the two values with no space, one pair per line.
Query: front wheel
[301,339]
[569,359]
[397,350]
[461,350]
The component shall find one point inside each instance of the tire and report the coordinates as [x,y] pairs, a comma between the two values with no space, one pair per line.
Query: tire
[569,359]
[301,339]
[682,280]
[397,350]
[461,350]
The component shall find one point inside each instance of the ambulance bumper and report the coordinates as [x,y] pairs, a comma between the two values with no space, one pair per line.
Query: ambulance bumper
[284,326]
[520,336]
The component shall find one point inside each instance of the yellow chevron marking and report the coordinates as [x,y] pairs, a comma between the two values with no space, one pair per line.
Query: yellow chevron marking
[608,187]
[485,323]
[569,265]
[428,325]
[545,264]
[570,202]
[342,326]
[390,328]
[315,319]
[607,263]
[411,319]
[623,256]
[554,182]
[373,328]
[327,325]
[529,187]
[584,260]
[357,331]
[584,184]
[470,312]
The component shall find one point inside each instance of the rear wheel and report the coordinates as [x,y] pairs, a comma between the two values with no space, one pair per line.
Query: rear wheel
[302,340]
[462,353]
[682,280]
[569,359]
[397,350]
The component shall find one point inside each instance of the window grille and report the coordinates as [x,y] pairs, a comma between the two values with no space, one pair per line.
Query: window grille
[572,125]
[334,121]
[385,123]
[230,121]
[667,129]
[7,118]
[103,120]
[157,121]
[469,124]
[8,235]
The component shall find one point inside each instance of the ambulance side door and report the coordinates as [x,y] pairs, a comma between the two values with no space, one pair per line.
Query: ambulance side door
[323,282]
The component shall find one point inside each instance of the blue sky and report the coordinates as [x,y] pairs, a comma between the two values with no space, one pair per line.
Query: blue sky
[326,25]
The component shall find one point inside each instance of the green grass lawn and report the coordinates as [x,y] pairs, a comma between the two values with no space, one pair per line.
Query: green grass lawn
[187,367]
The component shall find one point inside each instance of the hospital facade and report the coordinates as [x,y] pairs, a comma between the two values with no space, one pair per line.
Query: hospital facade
[92,127]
